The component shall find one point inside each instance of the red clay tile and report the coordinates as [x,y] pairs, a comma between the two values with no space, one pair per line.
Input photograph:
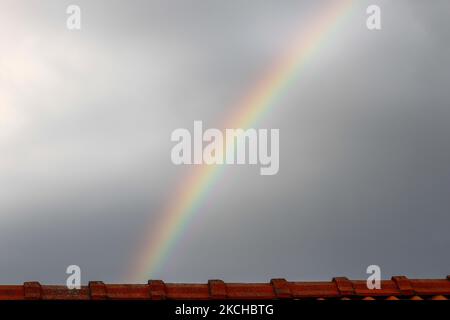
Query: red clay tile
[217,289]
[281,288]
[404,285]
[157,289]
[439,297]
[32,291]
[341,288]
[97,290]
[344,286]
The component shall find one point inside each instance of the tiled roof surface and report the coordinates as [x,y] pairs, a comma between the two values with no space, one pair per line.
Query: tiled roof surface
[397,288]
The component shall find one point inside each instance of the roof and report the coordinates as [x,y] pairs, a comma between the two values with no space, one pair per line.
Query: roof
[397,288]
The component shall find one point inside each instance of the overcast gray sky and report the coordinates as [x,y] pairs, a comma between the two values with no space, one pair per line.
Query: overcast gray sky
[86,118]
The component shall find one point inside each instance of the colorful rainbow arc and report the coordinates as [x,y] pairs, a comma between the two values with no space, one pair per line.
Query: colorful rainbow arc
[161,239]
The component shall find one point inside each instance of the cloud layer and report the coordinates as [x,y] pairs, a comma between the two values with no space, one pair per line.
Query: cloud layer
[86,118]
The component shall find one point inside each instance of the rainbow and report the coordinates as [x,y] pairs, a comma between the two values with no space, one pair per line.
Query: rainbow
[192,192]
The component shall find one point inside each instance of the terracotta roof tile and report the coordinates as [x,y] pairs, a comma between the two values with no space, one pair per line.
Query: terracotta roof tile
[344,286]
[439,297]
[404,285]
[217,289]
[281,288]
[12,292]
[250,291]
[314,289]
[187,291]
[157,290]
[340,288]
[32,291]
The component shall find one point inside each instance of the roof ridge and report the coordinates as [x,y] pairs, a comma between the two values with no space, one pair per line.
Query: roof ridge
[399,287]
